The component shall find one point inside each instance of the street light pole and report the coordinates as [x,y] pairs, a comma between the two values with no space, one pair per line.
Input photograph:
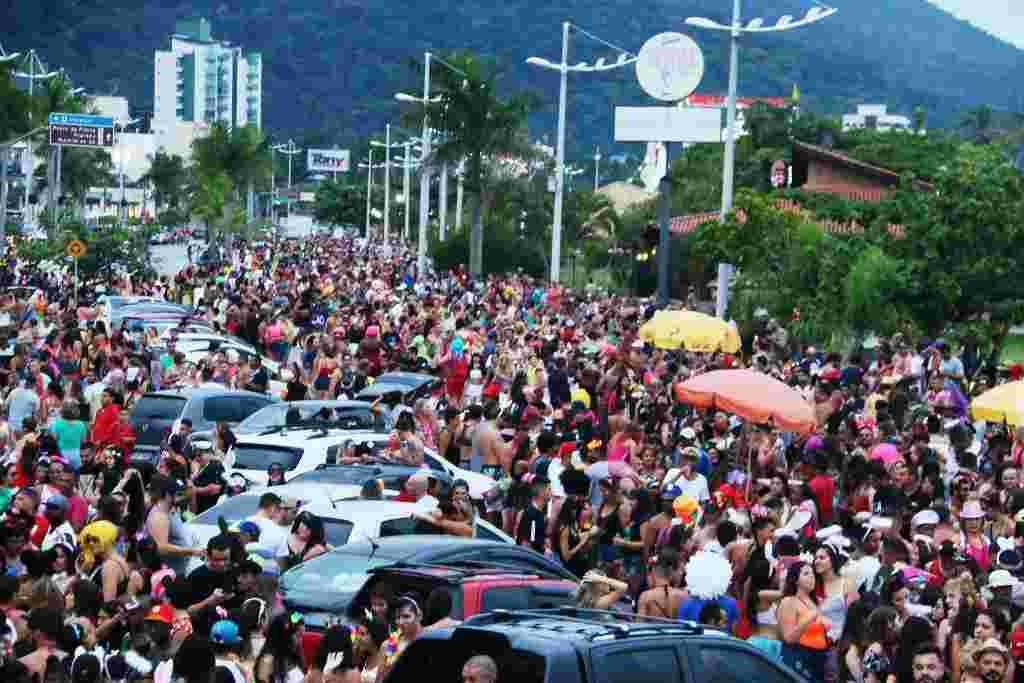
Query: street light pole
[421,247]
[459,194]
[32,76]
[369,190]
[597,169]
[729,166]
[406,173]
[387,182]
[443,201]
[563,85]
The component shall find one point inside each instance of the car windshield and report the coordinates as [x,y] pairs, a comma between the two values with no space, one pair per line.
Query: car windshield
[283,414]
[324,580]
[159,407]
[257,457]
[354,475]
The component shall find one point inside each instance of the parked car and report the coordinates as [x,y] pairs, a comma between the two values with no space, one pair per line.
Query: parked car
[158,413]
[324,588]
[305,448]
[393,477]
[568,645]
[411,385]
[353,415]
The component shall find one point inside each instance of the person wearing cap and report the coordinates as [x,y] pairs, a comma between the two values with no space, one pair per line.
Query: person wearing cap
[689,480]
[973,543]
[226,639]
[208,480]
[60,532]
[992,660]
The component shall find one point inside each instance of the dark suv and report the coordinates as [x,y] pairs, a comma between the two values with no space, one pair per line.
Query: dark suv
[569,645]
[158,413]
[474,586]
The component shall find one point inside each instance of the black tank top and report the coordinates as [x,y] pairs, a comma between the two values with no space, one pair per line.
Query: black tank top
[610,526]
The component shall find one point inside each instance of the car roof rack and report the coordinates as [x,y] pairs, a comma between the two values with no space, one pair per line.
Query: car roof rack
[590,624]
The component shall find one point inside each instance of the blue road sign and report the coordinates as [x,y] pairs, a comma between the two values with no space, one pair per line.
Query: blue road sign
[82,120]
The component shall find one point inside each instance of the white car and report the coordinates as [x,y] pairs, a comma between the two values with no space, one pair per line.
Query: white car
[303,449]
[346,518]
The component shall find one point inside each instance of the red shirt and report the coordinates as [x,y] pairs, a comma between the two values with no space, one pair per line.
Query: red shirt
[824,489]
[105,424]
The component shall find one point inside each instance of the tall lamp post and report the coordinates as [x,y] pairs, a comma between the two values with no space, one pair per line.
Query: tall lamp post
[291,150]
[426,101]
[736,29]
[564,68]
[33,63]
[387,177]
[122,214]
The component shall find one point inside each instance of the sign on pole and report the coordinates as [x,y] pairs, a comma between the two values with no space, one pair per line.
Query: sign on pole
[667,124]
[76,249]
[329,160]
[81,130]
[670,67]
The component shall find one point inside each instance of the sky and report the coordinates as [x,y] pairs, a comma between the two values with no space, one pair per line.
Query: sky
[1003,18]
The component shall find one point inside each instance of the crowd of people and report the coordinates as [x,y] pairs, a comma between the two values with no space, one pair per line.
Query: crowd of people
[882,547]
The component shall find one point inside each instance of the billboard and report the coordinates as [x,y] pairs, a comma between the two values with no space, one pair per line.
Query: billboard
[328,160]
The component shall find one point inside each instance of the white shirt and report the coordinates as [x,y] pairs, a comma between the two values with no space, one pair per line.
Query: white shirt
[272,534]
[696,487]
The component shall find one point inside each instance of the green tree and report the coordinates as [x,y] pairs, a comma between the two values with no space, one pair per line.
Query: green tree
[169,178]
[211,201]
[978,121]
[963,238]
[242,154]
[479,126]
[339,203]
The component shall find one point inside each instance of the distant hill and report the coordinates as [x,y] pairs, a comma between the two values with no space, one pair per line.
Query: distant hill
[332,66]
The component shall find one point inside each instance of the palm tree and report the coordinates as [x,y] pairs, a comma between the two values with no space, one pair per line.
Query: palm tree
[479,127]
[242,154]
[168,175]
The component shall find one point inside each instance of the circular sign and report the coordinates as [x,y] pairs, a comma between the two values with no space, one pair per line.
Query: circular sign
[670,66]
[76,249]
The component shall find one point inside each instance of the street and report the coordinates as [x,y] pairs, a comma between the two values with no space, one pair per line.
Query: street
[168,259]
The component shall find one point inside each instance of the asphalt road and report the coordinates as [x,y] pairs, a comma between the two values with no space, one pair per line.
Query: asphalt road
[168,259]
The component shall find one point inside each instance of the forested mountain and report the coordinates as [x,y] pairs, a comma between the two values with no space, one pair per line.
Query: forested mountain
[333,66]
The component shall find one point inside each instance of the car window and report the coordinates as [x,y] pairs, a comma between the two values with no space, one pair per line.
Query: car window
[404,526]
[159,407]
[505,597]
[331,574]
[337,531]
[256,457]
[735,665]
[233,509]
[227,409]
[640,665]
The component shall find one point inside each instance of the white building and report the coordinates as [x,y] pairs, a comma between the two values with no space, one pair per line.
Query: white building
[200,81]
[875,117]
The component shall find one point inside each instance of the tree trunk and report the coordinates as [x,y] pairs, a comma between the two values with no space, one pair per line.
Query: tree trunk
[476,237]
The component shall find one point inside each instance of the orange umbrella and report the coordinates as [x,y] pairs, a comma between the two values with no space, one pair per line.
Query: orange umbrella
[751,395]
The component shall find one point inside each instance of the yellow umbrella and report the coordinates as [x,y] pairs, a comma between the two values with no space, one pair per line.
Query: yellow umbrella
[690,330]
[1004,402]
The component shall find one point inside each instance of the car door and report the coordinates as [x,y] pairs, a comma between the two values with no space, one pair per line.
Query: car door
[724,660]
[638,662]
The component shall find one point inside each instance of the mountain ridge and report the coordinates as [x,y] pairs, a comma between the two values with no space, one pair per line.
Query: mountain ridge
[333,66]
